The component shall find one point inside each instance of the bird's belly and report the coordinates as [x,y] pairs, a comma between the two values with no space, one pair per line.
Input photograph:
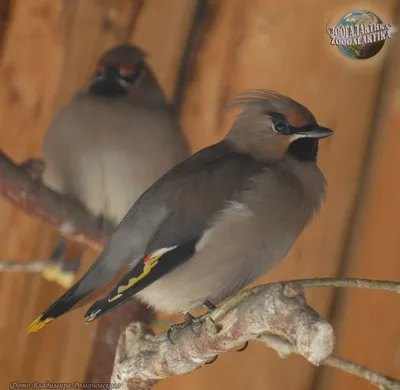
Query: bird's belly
[104,162]
[104,177]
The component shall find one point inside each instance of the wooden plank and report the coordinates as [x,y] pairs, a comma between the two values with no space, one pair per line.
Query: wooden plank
[367,322]
[161,30]
[284,46]
[21,104]
[49,50]
[51,47]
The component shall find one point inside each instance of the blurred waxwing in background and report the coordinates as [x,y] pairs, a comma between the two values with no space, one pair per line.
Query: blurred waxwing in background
[217,221]
[114,139]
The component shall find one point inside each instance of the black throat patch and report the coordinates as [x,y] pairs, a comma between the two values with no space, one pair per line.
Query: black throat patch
[108,88]
[304,149]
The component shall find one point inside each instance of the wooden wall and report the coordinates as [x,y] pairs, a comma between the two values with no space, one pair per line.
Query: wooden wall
[49,47]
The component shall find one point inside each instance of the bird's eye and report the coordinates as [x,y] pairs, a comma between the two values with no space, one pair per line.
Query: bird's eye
[281,127]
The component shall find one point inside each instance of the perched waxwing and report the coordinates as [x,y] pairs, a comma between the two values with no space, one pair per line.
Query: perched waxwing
[217,221]
[114,139]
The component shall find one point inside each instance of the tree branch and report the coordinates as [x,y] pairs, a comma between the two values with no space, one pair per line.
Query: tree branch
[278,309]
[66,215]
[25,266]
[276,314]
[143,358]
[284,349]
[384,285]
[19,184]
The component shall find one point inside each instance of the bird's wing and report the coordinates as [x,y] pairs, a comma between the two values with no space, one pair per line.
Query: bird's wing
[174,212]
[147,271]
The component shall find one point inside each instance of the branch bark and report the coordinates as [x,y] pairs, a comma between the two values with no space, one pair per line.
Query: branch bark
[284,349]
[19,185]
[281,309]
[276,314]
[66,215]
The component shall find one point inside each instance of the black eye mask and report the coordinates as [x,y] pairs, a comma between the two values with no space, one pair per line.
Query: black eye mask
[131,79]
[108,82]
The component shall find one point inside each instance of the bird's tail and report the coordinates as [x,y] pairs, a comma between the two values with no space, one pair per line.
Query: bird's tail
[94,283]
[63,304]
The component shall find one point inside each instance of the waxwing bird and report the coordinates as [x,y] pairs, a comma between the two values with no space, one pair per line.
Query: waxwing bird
[217,221]
[114,139]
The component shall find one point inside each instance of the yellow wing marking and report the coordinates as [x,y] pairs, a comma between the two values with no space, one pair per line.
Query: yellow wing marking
[148,267]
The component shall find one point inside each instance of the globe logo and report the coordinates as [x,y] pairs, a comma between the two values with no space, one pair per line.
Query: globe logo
[360,34]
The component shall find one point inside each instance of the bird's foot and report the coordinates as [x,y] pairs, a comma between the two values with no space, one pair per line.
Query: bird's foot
[189,320]
[103,223]
[210,307]
[59,270]
[34,168]
[195,323]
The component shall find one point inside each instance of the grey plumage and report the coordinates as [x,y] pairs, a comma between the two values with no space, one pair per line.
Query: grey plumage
[243,202]
[110,143]
[248,232]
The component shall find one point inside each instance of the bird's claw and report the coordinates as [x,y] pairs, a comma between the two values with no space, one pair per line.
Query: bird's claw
[212,360]
[195,323]
[246,344]
[209,305]
[189,319]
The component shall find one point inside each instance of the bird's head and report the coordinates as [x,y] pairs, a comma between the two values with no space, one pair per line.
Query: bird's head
[272,125]
[120,71]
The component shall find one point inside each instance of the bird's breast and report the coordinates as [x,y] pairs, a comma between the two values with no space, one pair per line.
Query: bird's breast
[107,154]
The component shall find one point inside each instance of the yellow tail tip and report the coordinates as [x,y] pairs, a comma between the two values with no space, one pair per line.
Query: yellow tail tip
[38,324]
[51,273]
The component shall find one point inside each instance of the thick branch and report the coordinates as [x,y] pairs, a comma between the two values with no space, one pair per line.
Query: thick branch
[66,215]
[19,185]
[276,314]
[280,309]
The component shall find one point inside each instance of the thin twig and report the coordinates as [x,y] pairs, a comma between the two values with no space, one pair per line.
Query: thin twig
[285,348]
[379,380]
[232,302]
[28,266]
[384,285]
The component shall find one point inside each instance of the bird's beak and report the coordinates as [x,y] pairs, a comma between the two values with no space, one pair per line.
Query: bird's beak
[312,131]
[108,84]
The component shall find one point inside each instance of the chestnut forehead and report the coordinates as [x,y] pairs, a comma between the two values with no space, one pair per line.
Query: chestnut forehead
[299,118]
[116,63]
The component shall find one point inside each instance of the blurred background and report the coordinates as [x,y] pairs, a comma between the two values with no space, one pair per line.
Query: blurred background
[50,47]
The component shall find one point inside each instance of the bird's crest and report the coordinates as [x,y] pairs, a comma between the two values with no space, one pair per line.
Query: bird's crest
[261,100]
